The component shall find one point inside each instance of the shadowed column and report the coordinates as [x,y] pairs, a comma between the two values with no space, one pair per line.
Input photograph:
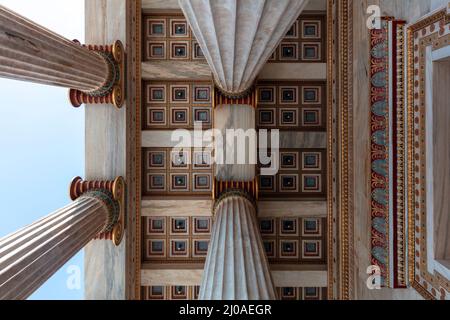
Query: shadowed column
[30,256]
[236,267]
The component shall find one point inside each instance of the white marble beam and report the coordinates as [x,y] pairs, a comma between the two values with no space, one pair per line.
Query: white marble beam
[163,139]
[306,209]
[160,4]
[283,278]
[186,70]
[293,71]
[272,209]
[317,5]
[193,277]
[288,140]
[173,208]
[180,70]
[303,140]
[171,277]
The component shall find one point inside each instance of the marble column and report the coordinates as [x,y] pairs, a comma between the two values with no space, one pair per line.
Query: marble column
[238,37]
[33,53]
[236,267]
[30,256]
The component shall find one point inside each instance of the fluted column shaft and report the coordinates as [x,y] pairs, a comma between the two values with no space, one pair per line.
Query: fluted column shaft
[238,37]
[30,256]
[33,53]
[236,267]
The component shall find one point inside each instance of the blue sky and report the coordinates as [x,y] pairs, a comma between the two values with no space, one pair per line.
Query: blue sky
[41,141]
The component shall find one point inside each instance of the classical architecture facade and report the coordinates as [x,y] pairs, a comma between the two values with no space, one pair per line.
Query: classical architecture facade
[341,195]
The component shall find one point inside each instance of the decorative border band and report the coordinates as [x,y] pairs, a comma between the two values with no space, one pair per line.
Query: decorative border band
[387,152]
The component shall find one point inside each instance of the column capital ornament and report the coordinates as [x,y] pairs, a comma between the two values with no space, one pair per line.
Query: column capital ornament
[111,204]
[249,187]
[247,97]
[113,89]
[234,193]
[231,94]
[112,194]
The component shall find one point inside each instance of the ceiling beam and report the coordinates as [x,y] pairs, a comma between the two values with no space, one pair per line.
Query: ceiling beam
[193,277]
[309,209]
[293,71]
[174,208]
[187,70]
[272,209]
[181,70]
[288,140]
[160,4]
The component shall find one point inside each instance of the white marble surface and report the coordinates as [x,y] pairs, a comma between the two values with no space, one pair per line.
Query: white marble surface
[171,208]
[181,70]
[105,155]
[173,4]
[316,5]
[162,208]
[193,277]
[170,139]
[288,140]
[303,140]
[241,167]
[300,278]
[171,277]
[160,4]
[293,71]
[306,209]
